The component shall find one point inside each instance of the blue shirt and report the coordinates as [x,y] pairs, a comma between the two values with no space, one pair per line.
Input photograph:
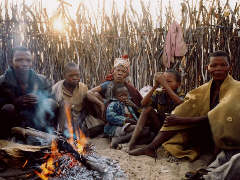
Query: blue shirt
[115,116]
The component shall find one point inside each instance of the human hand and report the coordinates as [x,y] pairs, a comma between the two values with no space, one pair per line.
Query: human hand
[27,100]
[123,99]
[160,79]
[155,82]
[171,120]
[128,102]
[131,121]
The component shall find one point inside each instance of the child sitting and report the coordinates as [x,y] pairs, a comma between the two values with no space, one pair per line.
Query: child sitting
[120,116]
[156,103]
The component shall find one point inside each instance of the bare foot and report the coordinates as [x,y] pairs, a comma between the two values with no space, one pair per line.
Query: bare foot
[143,151]
[131,147]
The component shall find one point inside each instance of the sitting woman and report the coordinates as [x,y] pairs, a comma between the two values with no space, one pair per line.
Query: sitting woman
[120,116]
[118,76]
[163,100]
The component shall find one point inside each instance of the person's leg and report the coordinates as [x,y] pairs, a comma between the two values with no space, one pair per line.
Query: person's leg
[147,117]
[8,114]
[123,135]
[150,150]
[120,140]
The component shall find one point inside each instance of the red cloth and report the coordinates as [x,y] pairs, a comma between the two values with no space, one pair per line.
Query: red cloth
[109,77]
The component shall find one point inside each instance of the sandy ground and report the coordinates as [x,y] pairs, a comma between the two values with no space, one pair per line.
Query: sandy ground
[146,168]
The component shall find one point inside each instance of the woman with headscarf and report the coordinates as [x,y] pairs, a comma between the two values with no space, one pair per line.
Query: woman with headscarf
[118,75]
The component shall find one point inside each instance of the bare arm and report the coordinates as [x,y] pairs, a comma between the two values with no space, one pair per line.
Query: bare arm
[173,95]
[172,120]
[147,98]
[162,81]
[93,99]
[96,89]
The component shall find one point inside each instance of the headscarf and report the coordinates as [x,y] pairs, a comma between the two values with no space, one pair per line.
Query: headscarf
[123,61]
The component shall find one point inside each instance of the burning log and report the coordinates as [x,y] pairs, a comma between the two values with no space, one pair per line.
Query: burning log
[13,159]
[62,142]
[90,162]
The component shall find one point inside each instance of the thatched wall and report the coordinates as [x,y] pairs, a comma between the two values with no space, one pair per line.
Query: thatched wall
[94,47]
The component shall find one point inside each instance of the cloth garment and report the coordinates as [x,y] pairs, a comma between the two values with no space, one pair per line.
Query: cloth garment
[123,62]
[75,98]
[174,45]
[226,166]
[121,131]
[39,116]
[107,87]
[224,119]
[144,91]
[162,102]
[116,116]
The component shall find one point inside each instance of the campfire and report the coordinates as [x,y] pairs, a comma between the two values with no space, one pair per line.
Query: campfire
[56,158]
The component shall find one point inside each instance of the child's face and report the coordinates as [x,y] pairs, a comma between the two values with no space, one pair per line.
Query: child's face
[171,80]
[122,94]
[72,77]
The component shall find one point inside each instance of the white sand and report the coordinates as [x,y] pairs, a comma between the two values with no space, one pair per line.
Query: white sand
[146,168]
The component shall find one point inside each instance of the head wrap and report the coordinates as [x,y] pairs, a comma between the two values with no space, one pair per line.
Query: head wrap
[123,61]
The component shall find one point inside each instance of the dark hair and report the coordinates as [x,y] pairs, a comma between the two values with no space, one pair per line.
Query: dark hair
[220,53]
[20,48]
[117,88]
[14,50]
[68,66]
[176,74]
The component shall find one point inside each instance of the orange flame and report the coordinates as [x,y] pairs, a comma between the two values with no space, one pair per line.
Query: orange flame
[25,164]
[48,167]
[69,123]
[81,138]
[81,141]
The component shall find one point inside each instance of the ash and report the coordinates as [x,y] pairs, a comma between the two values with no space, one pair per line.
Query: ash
[101,169]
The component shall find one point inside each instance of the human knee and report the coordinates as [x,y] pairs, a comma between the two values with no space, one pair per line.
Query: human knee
[147,110]
[8,108]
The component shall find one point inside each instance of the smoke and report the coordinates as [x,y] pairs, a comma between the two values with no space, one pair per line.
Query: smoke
[44,116]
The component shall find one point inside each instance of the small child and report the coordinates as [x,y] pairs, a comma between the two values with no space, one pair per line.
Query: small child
[156,103]
[120,115]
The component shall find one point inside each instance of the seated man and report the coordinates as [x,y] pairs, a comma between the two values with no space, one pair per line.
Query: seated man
[72,93]
[213,105]
[24,96]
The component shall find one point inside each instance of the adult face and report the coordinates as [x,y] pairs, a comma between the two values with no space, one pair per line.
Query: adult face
[218,67]
[72,77]
[120,73]
[22,61]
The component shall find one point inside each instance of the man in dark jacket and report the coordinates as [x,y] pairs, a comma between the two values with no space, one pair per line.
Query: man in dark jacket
[24,95]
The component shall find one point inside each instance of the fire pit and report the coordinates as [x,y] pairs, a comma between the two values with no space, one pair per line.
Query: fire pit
[62,160]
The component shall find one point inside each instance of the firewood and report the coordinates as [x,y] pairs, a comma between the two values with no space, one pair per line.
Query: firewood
[63,145]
